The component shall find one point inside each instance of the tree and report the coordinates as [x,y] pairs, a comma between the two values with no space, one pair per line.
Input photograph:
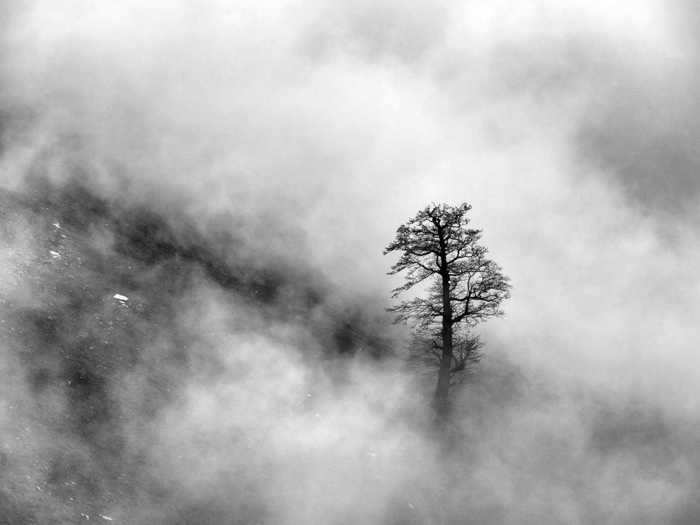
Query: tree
[462,286]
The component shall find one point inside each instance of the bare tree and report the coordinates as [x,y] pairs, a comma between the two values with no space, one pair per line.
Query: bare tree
[461,286]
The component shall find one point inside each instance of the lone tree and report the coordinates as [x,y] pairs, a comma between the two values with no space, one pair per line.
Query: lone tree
[461,286]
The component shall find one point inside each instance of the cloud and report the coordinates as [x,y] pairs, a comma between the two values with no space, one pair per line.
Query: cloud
[642,129]
[274,150]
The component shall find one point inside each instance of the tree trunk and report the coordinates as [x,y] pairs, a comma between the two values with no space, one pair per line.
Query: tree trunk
[443,385]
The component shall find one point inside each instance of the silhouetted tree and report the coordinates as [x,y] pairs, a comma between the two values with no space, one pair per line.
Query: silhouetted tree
[463,286]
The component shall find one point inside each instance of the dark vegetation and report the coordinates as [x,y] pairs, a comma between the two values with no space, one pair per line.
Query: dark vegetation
[78,338]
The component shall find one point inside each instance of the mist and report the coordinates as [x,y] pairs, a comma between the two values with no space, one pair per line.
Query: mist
[195,200]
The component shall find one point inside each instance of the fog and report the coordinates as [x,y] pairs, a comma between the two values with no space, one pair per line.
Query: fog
[195,199]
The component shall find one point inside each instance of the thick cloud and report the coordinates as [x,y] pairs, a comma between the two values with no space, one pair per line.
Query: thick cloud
[272,151]
[644,128]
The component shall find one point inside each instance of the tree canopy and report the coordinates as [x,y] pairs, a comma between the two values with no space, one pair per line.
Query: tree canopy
[459,286]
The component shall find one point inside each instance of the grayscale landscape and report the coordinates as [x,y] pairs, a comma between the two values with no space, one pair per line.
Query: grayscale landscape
[334,263]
